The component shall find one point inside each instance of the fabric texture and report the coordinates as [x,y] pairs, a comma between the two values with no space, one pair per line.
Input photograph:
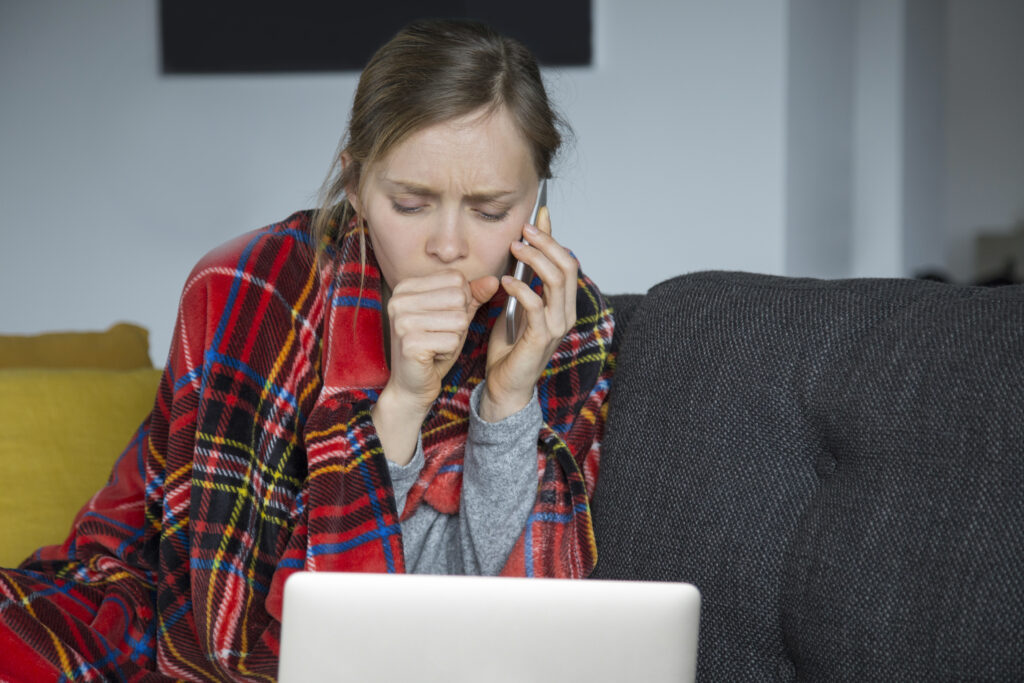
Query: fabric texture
[62,431]
[122,347]
[259,459]
[837,465]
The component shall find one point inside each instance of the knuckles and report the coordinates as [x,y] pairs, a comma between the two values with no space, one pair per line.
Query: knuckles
[455,321]
[427,350]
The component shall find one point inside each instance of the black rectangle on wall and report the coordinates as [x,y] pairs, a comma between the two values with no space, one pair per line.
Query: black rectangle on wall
[260,36]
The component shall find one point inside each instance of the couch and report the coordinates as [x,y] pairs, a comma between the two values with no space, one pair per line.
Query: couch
[837,465]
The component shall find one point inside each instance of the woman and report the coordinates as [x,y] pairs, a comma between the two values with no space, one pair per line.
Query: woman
[338,394]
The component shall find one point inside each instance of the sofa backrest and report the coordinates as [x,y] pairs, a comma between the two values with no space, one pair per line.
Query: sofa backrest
[837,465]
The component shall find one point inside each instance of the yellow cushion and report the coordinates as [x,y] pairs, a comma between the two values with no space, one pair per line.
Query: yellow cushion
[62,432]
[123,347]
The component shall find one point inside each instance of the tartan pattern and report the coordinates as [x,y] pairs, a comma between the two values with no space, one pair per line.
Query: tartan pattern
[259,459]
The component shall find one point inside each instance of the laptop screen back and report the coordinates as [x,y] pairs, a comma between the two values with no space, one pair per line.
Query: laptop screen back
[388,627]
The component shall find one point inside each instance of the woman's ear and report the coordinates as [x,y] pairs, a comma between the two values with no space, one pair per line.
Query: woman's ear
[352,189]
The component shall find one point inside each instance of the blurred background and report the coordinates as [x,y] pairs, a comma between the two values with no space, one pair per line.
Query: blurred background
[823,138]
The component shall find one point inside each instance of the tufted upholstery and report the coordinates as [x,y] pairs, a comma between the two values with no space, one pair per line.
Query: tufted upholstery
[837,465]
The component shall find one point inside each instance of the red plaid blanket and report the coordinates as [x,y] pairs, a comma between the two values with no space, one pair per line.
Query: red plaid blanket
[259,459]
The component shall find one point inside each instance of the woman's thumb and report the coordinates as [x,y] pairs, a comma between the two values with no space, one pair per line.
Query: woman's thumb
[482,289]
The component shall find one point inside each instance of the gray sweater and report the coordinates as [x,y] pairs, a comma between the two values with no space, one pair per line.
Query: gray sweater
[499,485]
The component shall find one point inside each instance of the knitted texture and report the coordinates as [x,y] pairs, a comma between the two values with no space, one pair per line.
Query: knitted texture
[259,459]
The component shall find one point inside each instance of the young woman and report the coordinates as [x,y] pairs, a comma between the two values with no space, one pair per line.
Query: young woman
[341,396]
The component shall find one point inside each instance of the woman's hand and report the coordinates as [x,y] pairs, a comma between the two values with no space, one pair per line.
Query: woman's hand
[513,369]
[429,319]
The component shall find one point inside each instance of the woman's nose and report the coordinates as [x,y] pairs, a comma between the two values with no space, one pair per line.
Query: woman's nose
[447,241]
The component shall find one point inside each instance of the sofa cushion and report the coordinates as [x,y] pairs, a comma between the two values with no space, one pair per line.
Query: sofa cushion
[835,464]
[63,430]
[122,347]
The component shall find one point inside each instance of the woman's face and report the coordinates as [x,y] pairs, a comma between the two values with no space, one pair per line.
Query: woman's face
[454,195]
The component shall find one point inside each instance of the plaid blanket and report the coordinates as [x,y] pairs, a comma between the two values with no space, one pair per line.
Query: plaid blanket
[259,459]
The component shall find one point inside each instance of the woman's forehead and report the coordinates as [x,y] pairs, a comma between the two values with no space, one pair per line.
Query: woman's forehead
[483,152]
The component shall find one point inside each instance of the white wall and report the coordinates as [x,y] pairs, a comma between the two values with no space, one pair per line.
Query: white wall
[805,137]
[115,179]
[680,158]
[819,137]
[864,138]
[924,82]
[878,161]
[984,129]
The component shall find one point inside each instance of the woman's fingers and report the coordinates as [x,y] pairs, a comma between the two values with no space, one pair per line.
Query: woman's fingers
[565,261]
[429,318]
[428,347]
[448,290]
[561,257]
[445,291]
[432,321]
[482,289]
[434,281]
[531,304]
[557,269]
[430,327]
[552,278]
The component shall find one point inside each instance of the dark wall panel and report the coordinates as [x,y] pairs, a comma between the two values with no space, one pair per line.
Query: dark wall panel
[260,36]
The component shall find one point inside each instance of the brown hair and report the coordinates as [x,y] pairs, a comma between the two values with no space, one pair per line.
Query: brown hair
[430,72]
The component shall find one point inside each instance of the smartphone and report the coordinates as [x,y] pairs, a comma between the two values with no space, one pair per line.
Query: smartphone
[523,272]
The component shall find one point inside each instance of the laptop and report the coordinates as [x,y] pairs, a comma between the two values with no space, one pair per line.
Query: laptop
[456,629]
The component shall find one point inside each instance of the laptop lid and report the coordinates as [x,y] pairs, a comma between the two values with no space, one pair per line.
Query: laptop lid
[398,627]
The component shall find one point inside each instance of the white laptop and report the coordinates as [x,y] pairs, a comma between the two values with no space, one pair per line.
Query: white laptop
[457,629]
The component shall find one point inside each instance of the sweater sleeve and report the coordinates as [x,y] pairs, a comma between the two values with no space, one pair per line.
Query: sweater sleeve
[499,485]
[404,476]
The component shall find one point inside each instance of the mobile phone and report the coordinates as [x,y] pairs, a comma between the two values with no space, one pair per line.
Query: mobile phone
[523,272]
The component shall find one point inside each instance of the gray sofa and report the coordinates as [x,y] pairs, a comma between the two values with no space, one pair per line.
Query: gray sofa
[837,465]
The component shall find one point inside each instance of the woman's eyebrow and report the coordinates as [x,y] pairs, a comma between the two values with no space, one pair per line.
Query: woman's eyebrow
[419,190]
[488,196]
[410,188]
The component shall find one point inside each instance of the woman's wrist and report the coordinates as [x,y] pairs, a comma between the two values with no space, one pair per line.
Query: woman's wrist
[497,408]
[397,420]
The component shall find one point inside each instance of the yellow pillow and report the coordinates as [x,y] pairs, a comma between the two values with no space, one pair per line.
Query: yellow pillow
[61,433]
[123,347]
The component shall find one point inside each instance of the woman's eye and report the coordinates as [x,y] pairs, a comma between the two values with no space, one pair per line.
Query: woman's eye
[493,217]
[402,208]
